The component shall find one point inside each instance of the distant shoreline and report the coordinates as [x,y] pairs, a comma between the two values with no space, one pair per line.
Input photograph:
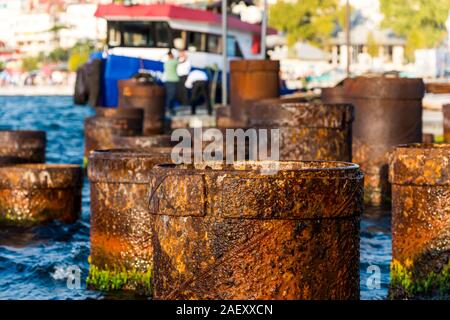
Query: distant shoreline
[37,91]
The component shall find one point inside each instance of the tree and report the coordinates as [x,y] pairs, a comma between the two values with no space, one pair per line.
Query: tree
[307,20]
[30,64]
[79,54]
[58,55]
[421,22]
[372,46]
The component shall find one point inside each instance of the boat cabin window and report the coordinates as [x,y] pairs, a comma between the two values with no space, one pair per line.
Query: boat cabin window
[196,41]
[162,35]
[137,34]
[113,34]
[214,44]
[151,34]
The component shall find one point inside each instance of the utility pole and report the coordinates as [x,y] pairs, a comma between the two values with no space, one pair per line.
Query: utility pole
[347,34]
[224,53]
[264,31]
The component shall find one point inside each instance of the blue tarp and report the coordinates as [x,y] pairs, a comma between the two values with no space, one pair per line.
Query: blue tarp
[119,68]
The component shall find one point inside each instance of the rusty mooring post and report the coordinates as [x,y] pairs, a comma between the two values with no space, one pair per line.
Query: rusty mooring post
[252,80]
[446,116]
[388,112]
[108,122]
[420,177]
[22,146]
[32,194]
[335,94]
[121,228]
[308,131]
[147,96]
[231,232]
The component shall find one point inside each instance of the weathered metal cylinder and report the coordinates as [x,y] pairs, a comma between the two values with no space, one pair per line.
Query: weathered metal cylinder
[100,129]
[32,194]
[446,116]
[231,232]
[22,146]
[146,96]
[388,112]
[142,142]
[121,230]
[252,80]
[334,94]
[308,131]
[420,177]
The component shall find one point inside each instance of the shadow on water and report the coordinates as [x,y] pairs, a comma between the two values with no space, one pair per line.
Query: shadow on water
[35,262]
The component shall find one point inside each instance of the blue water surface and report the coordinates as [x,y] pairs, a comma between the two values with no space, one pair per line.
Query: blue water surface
[34,263]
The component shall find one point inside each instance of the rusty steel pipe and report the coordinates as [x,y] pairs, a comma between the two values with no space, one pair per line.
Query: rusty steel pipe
[252,80]
[231,232]
[32,194]
[146,96]
[420,177]
[308,131]
[22,146]
[388,112]
[100,129]
[121,230]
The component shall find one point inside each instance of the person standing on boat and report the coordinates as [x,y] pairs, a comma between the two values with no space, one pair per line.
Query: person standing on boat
[197,80]
[171,80]
[183,69]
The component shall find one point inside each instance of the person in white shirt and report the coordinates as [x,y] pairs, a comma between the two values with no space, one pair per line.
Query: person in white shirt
[183,69]
[197,81]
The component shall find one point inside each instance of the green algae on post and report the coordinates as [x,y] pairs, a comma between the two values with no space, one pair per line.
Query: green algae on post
[114,279]
[406,282]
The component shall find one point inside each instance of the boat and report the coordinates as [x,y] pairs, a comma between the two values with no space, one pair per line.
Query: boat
[139,37]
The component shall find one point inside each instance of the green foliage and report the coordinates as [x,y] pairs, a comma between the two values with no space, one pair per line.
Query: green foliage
[306,20]
[404,278]
[113,279]
[58,55]
[422,22]
[30,63]
[79,54]
[76,60]
[372,46]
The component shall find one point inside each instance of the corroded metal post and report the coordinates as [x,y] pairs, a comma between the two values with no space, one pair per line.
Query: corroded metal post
[100,129]
[446,116]
[388,112]
[335,94]
[230,232]
[252,80]
[22,146]
[147,96]
[31,194]
[121,229]
[308,130]
[420,177]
